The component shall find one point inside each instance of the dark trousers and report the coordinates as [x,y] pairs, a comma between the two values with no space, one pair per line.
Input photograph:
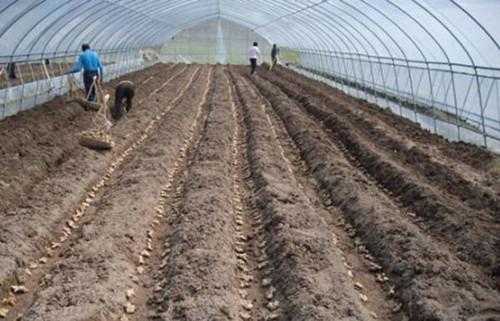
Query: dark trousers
[253,64]
[88,79]
[124,92]
[11,70]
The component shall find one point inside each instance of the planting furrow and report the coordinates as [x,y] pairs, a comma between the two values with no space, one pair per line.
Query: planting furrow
[26,231]
[37,143]
[432,283]
[459,154]
[55,248]
[255,289]
[305,270]
[154,257]
[446,217]
[149,102]
[198,271]
[361,264]
[435,173]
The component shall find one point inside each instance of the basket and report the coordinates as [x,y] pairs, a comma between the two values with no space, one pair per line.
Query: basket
[75,96]
[97,140]
[87,105]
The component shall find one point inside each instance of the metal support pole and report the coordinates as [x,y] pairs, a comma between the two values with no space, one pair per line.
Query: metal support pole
[455,99]
[431,89]
[480,97]
[396,78]
[363,82]
[34,78]
[412,90]
[19,71]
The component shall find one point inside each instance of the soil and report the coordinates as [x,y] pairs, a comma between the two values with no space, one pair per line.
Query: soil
[238,197]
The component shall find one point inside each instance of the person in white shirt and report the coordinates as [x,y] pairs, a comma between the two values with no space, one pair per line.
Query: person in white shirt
[253,55]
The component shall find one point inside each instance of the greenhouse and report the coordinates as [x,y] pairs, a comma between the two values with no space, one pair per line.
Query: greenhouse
[250,160]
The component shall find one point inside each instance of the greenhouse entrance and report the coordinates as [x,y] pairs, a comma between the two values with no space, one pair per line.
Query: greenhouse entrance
[215,41]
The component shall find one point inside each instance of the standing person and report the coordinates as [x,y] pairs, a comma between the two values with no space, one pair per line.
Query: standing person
[274,55]
[253,55]
[11,70]
[91,64]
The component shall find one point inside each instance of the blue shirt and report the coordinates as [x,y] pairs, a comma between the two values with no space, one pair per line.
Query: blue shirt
[88,61]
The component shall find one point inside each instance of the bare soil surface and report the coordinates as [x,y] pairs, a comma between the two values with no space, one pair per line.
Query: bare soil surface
[237,197]
[473,162]
[38,141]
[31,213]
[433,192]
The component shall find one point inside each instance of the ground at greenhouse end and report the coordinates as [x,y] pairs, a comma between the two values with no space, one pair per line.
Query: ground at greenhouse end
[238,197]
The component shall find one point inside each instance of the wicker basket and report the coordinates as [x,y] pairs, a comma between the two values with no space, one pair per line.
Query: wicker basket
[97,140]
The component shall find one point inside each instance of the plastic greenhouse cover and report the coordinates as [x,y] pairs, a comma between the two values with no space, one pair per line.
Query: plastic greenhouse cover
[459,31]
[38,92]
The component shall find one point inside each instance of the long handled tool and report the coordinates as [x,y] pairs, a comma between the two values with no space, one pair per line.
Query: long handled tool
[48,77]
[99,137]
[74,96]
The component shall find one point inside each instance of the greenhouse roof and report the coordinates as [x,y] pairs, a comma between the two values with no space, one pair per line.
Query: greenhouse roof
[458,31]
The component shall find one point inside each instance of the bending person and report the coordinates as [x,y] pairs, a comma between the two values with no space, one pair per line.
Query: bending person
[124,94]
[91,64]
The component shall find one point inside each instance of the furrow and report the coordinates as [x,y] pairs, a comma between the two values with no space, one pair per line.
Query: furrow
[197,275]
[448,219]
[153,258]
[306,269]
[70,231]
[458,153]
[255,289]
[46,139]
[440,175]
[361,265]
[420,267]
[54,201]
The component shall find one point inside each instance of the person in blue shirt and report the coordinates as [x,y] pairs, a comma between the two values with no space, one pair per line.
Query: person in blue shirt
[91,64]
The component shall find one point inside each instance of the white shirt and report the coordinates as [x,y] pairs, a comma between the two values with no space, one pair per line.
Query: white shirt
[253,52]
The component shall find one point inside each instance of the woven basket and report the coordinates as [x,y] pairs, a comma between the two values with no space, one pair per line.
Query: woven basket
[96,140]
